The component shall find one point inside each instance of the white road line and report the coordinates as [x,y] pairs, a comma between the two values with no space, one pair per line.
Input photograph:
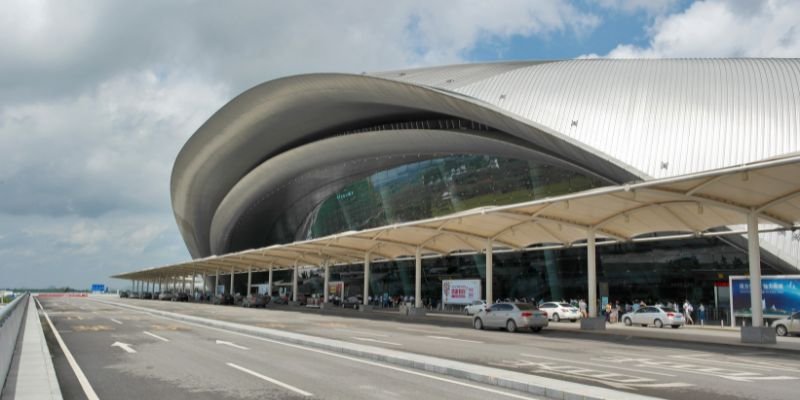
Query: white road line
[85,385]
[364,339]
[115,321]
[344,357]
[271,380]
[231,344]
[124,346]
[457,340]
[361,332]
[417,330]
[156,336]
[601,365]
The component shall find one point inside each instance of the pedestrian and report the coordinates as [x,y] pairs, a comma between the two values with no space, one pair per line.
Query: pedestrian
[608,312]
[702,313]
[687,311]
[582,307]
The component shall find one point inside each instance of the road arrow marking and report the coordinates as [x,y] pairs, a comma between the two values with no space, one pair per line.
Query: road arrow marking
[156,336]
[124,346]
[232,345]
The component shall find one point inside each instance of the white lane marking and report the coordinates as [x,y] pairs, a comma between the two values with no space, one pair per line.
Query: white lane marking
[331,354]
[156,336]
[364,339]
[566,361]
[457,340]
[85,385]
[729,374]
[361,332]
[124,346]
[418,330]
[115,321]
[751,364]
[271,380]
[232,344]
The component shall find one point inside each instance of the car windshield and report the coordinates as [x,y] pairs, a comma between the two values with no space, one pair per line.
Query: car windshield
[524,306]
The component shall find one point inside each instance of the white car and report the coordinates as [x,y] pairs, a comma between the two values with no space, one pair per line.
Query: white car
[788,326]
[475,307]
[558,311]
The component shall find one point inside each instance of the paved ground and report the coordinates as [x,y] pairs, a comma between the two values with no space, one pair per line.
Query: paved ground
[668,369]
[128,354]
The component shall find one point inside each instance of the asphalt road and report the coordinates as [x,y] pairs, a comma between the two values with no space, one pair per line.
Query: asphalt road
[666,369]
[130,355]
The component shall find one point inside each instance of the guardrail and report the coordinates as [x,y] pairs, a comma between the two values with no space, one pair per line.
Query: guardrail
[10,323]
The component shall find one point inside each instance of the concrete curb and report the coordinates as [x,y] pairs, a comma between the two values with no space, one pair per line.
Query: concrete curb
[536,385]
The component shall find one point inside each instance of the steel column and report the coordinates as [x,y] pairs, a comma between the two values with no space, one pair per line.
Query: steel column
[418,278]
[366,279]
[249,280]
[754,261]
[489,272]
[294,283]
[591,272]
[326,281]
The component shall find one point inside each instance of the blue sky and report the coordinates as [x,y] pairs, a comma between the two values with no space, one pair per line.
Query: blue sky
[97,97]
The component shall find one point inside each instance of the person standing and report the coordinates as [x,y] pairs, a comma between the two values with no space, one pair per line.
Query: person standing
[687,311]
[582,308]
[701,313]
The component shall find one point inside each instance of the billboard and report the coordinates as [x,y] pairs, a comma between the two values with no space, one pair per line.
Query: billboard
[335,290]
[463,291]
[98,288]
[780,295]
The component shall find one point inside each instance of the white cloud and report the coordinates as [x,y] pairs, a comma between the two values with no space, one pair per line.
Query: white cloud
[717,28]
[651,7]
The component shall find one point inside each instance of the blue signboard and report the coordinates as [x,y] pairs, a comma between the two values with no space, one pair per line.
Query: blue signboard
[98,288]
[780,295]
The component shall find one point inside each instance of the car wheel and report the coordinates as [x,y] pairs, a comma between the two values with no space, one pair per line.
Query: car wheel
[478,324]
[781,330]
[572,320]
[628,322]
[511,326]
[536,329]
[658,323]
[556,318]
[675,326]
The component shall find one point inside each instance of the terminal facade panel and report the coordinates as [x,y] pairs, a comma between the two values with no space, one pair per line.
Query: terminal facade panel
[309,156]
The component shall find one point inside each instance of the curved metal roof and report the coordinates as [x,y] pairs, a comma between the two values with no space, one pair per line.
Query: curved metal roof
[619,119]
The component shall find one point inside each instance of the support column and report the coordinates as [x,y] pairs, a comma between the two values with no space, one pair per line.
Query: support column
[294,283]
[326,280]
[591,272]
[754,261]
[183,284]
[269,282]
[366,279]
[205,283]
[418,279]
[489,272]
[231,292]
[216,283]
[249,280]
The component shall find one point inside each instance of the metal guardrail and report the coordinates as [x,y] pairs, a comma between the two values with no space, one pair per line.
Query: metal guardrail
[10,324]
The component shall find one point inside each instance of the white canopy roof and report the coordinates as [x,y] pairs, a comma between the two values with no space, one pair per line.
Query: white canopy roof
[690,205]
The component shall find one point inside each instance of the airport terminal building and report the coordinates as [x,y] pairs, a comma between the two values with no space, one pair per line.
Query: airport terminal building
[308,156]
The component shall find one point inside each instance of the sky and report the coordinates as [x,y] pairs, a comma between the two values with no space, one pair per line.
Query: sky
[97,97]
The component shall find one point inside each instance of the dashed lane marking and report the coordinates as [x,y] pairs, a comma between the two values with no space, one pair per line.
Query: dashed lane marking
[271,380]
[156,336]
[457,340]
[376,341]
[116,321]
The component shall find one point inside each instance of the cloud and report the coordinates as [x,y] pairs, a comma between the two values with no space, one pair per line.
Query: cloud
[97,98]
[717,28]
[651,7]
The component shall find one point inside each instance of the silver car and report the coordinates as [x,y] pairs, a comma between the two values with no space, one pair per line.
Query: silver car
[511,316]
[788,326]
[656,316]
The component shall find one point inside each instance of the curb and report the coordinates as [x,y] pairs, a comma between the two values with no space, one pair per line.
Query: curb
[531,384]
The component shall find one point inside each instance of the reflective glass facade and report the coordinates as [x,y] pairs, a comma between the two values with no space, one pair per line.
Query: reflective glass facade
[438,187]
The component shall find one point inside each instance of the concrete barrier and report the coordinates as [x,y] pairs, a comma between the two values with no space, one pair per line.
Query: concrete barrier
[10,323]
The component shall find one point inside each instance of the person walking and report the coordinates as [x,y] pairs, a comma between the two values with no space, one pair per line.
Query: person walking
[687,311]
[582,308]
[701,314]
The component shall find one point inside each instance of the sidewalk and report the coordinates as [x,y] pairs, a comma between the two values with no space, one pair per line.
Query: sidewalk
[32,375]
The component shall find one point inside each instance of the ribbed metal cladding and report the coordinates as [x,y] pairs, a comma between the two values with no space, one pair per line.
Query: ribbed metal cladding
[663,117]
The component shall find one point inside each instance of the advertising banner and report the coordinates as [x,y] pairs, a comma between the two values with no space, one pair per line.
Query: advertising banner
[780,295]
[335,290]
[463,291]
[98,288]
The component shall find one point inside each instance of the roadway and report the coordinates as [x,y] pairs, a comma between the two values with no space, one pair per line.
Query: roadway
[125,354]
[667,369]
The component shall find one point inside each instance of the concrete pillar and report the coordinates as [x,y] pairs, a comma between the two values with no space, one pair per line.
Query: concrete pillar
[249,280]
[754,261]
[269,282]
[489,272]
[216,283]
[591,272]
[326,280]
[231,292]
[294,283]
[366,279]
[205,283]
[183,284]
[418,278]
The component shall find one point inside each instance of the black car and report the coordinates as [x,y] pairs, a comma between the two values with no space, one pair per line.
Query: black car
[223,299]
[147,295]
[182,296]
[124,294]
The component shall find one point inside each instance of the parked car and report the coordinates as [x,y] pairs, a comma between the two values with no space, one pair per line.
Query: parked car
[255,300]
[124,294]
[476,306]
[146,295]
[279,300]
[165,296]
[223,299]
[788,326]
[557,311]
[182,296]
[656,316]
[353,301]
[511,316]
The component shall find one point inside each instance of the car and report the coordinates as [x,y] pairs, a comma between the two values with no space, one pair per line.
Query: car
[788,326]
[146,295]
[279,300]
[255,300]
[223,299]
[353,301]
[557,311]
[656,316]
[165,296]
[182,296]
[124,294]
[511,316]
[476,306]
